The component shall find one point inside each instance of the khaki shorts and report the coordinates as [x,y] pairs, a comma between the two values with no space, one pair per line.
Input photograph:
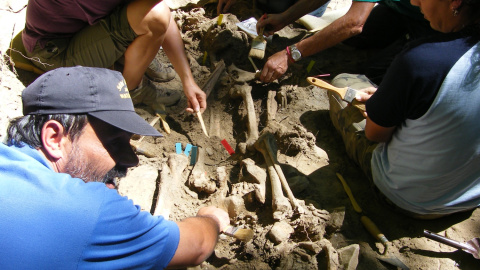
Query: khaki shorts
[98,45]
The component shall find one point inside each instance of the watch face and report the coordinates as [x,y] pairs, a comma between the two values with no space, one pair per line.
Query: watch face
[296,55]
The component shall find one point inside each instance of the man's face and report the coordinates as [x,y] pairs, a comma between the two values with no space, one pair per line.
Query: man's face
[100,153]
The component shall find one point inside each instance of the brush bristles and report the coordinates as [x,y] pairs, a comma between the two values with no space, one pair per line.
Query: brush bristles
[243,234]
[258,47]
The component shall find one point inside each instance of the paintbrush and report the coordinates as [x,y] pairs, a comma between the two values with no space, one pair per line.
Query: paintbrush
[258,44]
[200,118]
[241,234]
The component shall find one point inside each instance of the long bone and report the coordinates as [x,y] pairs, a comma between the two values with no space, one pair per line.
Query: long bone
[281,206]
[269,143]
[244,91]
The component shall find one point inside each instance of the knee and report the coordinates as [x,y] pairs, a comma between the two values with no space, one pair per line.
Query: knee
[158,19]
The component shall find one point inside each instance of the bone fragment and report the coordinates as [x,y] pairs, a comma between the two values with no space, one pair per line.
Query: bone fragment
[170,180]
[198,180]
[240,75]
[257,175]
[252,129]
[271,106]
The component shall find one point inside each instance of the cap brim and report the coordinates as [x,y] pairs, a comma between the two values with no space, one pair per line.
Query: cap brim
[128,121]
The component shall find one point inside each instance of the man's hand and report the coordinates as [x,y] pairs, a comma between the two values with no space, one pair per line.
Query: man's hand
[275,67]
[224,5]
[219,215]
[196,98]
[271,23]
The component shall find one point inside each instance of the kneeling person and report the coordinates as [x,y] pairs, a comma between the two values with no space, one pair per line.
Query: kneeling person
[56,210]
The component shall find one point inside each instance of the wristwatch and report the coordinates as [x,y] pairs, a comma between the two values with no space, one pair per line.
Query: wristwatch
[295,53]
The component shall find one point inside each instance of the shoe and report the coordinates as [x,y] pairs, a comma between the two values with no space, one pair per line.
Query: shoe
[150,95]
[160,72]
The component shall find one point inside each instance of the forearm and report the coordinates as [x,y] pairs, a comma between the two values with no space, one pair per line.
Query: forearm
[198,237]
[345,27]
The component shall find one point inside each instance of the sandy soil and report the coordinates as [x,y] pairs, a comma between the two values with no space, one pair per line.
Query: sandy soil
[328,233]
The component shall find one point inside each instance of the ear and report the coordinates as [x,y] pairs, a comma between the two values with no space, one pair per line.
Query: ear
[53,140]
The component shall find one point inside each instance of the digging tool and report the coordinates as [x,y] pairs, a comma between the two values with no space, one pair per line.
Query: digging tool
[472,246]
[346,93]
[372,228]
[200,118]
[161,113]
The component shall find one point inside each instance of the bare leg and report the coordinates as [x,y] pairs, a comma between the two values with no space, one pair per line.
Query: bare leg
[150,21]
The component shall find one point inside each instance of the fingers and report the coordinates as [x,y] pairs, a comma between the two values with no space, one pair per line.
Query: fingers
[224,5]
[364,94]
[197,103]
[219,215]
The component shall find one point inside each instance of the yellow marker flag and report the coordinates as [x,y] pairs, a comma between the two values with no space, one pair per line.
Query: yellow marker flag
[310,66]
[220,19]
[204,58]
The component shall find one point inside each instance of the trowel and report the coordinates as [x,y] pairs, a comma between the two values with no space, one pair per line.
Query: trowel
[472,246]
[372,228]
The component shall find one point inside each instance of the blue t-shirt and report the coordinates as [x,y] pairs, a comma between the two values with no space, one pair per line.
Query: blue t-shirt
[53,221]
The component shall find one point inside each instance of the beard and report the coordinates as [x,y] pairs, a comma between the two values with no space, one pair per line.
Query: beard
[79,167]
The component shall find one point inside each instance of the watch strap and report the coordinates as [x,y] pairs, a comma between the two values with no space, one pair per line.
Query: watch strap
[290,58]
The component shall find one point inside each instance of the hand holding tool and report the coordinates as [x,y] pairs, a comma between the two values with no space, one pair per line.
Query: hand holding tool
[346,93]
[241,234]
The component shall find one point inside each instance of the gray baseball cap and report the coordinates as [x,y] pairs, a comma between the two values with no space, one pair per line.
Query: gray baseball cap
[99,92]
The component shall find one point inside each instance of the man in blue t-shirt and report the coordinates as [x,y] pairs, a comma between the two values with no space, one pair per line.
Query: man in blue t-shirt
[56,211]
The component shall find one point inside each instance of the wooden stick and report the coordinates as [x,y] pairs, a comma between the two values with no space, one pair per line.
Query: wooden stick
[200,118]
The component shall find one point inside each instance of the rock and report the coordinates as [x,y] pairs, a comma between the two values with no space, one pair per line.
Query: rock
[348,256]
[280,232]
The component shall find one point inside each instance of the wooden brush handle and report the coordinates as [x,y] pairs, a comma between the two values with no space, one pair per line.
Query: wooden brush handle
[340,91]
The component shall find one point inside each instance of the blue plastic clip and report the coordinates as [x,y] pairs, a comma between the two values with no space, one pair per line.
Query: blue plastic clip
[187,149]
[178,148]
[193,159]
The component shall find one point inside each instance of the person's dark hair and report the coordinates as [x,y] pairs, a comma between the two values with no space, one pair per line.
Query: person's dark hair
[28,129]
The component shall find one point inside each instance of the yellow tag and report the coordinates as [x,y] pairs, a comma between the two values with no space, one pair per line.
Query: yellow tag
[310,66]
[220,19]
[204,58]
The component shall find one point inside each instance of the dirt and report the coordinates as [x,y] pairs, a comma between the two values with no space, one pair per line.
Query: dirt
[320,231]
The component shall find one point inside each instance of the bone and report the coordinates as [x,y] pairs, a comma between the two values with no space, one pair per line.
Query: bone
[240,75]
[245,92]
[281,206]
[257,175]
[271,106]
[269,142]
[170,179]
[198,180]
